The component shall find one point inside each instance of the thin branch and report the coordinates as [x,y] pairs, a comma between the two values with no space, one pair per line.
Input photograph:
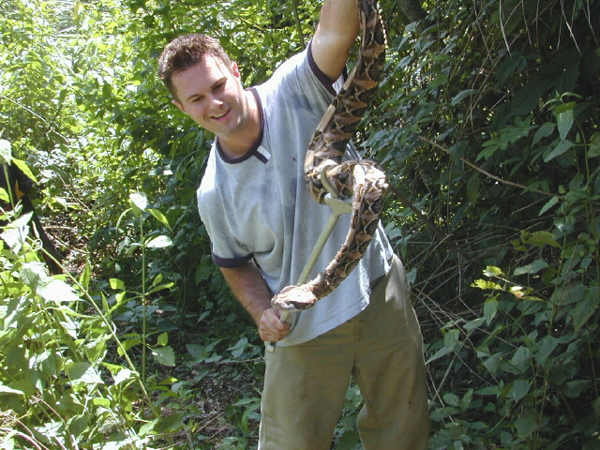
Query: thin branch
[298,24]
[485,172]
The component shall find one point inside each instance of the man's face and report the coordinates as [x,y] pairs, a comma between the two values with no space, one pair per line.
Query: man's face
[212,95]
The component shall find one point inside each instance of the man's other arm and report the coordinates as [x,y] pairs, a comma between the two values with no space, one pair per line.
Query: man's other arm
[249,287]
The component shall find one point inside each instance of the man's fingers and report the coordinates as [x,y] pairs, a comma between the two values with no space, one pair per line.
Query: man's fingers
[271,328]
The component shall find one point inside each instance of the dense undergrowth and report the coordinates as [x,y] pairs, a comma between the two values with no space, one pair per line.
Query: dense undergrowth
[488,127]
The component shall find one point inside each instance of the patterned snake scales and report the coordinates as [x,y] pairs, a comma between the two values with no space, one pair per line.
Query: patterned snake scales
[361,180]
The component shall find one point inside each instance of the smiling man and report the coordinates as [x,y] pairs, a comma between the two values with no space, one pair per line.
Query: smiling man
[263,225]
[212,94]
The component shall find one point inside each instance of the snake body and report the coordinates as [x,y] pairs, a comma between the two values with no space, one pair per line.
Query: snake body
[362,181]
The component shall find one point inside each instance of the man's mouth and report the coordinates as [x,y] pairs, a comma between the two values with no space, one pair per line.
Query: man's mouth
[220,116]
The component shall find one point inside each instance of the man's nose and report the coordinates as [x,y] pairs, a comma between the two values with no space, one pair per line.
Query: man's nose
[215,101]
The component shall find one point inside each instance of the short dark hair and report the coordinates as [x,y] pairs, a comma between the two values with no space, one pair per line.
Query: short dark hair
[185,52]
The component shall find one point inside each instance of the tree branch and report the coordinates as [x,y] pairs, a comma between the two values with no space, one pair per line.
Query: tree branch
[485,172]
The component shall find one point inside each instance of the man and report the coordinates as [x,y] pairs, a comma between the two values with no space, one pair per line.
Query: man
[17,186]
[263,225]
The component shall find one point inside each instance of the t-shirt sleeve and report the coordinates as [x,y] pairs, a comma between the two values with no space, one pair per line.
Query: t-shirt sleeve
[227,252]
[301,83]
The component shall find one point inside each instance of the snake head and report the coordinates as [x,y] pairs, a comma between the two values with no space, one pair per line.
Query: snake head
[294,298]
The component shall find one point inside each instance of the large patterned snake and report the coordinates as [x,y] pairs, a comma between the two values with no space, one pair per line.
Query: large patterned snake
[361,180]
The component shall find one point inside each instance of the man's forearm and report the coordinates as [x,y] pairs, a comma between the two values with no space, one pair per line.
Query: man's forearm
[249,287]
[251,290]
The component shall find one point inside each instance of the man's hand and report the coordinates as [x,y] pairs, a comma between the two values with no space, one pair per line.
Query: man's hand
[270,327]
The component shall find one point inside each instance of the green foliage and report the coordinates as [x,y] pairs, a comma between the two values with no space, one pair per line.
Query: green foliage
[488,124]
[489,120]
[59,388]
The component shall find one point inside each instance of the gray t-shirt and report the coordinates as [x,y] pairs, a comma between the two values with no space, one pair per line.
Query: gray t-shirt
[257,206]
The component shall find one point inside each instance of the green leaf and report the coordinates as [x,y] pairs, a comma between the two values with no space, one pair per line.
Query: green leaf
[573,389]
[452,399]
[84,373]
[57,291]
[540,239]
[463,94]
[527,97]
[585,308]
[565,122]
[138,202]
[562,147]
[171,423]
[198,352]
[86,275]
[163,339]
[493,363]
[5,152]
[521,356]
[164,356]
[116,284]
[439,354]
[8,390]
[147,427]
[534,267]
[348,440]
[123,375]
[157,279]
[525,426]
[451,338]
[490,148]
[492,271]
[25,168]
[127,344]
[594,149]
[102,402]
[33,275]
[473,188]
[160,242]
[544,131]
[440,80]
[159,216]
[465,402]
[545,347]
[486,284]
[549,204]
[519,389]
[490,308]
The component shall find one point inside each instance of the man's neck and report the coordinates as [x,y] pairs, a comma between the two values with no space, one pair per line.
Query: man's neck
[236,146]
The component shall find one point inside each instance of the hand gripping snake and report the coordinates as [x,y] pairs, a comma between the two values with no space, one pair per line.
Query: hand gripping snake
[361,180]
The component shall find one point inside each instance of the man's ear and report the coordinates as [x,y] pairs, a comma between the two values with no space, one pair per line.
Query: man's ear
[179,105]
[235,70]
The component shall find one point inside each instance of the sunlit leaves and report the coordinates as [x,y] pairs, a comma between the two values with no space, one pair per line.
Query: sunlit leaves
[5,152]
[164,356]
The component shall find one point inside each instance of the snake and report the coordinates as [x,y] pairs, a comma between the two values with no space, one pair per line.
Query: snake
[361,182]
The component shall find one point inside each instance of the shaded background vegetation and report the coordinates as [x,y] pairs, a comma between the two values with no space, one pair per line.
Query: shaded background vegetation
[487,124]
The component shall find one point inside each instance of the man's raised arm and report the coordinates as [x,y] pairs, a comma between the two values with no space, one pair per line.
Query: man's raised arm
[336,32]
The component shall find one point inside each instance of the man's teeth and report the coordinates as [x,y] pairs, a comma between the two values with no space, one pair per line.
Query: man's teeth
[220,115]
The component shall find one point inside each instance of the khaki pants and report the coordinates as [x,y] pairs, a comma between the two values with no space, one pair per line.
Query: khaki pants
[305,385]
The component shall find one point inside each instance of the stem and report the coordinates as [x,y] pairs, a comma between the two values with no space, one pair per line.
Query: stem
[111,331]
[485,172]
[9,188]
[144,305]
[298,24]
